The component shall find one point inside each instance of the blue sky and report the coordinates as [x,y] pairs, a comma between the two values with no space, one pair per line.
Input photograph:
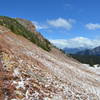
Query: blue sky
[58,19]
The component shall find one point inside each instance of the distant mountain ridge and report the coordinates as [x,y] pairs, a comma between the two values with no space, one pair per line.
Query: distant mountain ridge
[89,56]
[95,51]
[83,51]
[73,50]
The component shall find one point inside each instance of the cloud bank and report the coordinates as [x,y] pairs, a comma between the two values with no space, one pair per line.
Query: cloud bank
[92,26]
[78,42]
[61,23]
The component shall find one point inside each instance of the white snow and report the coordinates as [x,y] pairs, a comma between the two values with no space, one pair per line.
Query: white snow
[20,84]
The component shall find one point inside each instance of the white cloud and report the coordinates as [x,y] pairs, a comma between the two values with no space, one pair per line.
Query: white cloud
[92,26]
[39,26]
[78,42]
[61,23]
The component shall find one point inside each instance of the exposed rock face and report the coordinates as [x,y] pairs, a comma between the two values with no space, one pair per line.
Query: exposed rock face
[34,74]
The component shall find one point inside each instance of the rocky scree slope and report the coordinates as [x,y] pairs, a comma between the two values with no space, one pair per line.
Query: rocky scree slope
[28,72]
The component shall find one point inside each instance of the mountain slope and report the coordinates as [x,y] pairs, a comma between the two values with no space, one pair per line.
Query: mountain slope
[73,50]
[95,51]
[89,56]
[32,73]
[21,29]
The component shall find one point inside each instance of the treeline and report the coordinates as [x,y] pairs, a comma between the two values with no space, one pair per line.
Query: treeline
[87,59]
[19,29]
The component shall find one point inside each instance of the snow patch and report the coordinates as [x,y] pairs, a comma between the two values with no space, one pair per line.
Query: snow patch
[16,72]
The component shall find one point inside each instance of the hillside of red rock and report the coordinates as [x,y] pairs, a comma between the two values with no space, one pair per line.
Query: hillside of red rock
[28,72]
